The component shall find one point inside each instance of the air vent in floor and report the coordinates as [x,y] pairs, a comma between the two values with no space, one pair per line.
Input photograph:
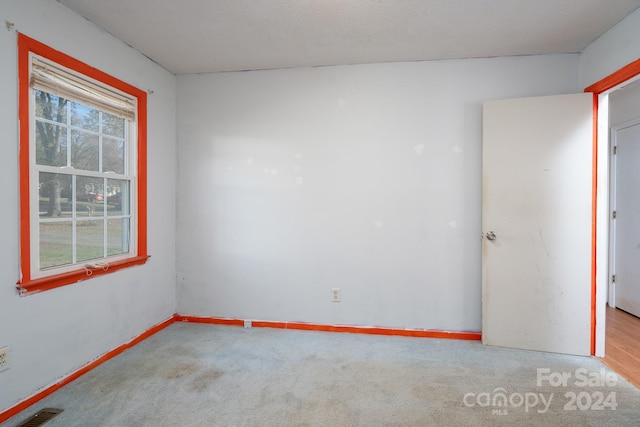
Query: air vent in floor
[41,417]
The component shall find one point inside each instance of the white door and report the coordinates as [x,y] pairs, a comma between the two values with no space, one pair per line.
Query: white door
[537,217]
[626,226]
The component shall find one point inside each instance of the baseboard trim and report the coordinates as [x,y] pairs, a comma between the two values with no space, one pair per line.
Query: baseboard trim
[373,330]
[24,404]
[211,320]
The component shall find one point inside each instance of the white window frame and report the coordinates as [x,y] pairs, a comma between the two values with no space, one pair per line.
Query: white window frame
[130,173]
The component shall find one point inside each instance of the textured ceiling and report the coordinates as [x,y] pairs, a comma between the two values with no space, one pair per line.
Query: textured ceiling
[198,36]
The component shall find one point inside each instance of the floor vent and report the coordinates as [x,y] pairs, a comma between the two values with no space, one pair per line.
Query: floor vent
[41,417]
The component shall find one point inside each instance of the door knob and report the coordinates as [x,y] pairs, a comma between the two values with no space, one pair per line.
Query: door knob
[491,235]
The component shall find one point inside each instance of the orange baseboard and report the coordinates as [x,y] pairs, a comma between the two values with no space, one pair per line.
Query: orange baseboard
[5,415]
[418,333]
[211,320]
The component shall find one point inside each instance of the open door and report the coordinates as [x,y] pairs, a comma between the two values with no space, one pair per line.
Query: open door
[625,292]
[537,223]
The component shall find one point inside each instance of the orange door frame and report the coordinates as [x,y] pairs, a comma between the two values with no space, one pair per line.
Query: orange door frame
[608,83]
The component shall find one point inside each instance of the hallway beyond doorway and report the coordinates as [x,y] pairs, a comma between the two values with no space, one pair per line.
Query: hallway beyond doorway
[622,351]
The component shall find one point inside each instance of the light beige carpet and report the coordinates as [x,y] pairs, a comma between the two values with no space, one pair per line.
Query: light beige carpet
[205,375]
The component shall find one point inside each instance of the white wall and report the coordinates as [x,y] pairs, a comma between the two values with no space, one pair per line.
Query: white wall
[613,50]
[366,178]
[624,105]
[54,333]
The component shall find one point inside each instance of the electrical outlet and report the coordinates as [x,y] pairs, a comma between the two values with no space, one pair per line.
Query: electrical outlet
[5,360]
[335,294]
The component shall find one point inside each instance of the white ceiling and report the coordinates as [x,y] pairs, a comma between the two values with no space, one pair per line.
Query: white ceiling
[198,36]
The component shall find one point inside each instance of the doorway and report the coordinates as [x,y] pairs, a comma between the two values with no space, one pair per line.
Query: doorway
[602,90]
[624,247]
[622,336]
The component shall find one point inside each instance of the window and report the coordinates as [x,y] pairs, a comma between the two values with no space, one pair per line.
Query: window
[82,170]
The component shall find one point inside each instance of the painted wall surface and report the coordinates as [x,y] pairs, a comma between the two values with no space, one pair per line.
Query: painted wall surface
[613,50]
[54,333]
[366,178]
[624,105]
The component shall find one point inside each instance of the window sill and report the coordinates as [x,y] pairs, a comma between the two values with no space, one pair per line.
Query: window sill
[45,283]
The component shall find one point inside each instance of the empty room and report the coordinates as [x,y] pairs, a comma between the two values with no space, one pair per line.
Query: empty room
[320,212]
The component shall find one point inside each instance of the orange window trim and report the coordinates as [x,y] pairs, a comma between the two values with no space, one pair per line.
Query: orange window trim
[26,284]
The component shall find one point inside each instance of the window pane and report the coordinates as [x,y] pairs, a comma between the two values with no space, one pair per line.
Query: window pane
[113,125]
[89,240]
[89,196]
[85,117]
[113,155]
[118,236]
[85,151]
[51,144]
[51,107]
[82,200]
[55,244]
[117,197]
[54,195]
